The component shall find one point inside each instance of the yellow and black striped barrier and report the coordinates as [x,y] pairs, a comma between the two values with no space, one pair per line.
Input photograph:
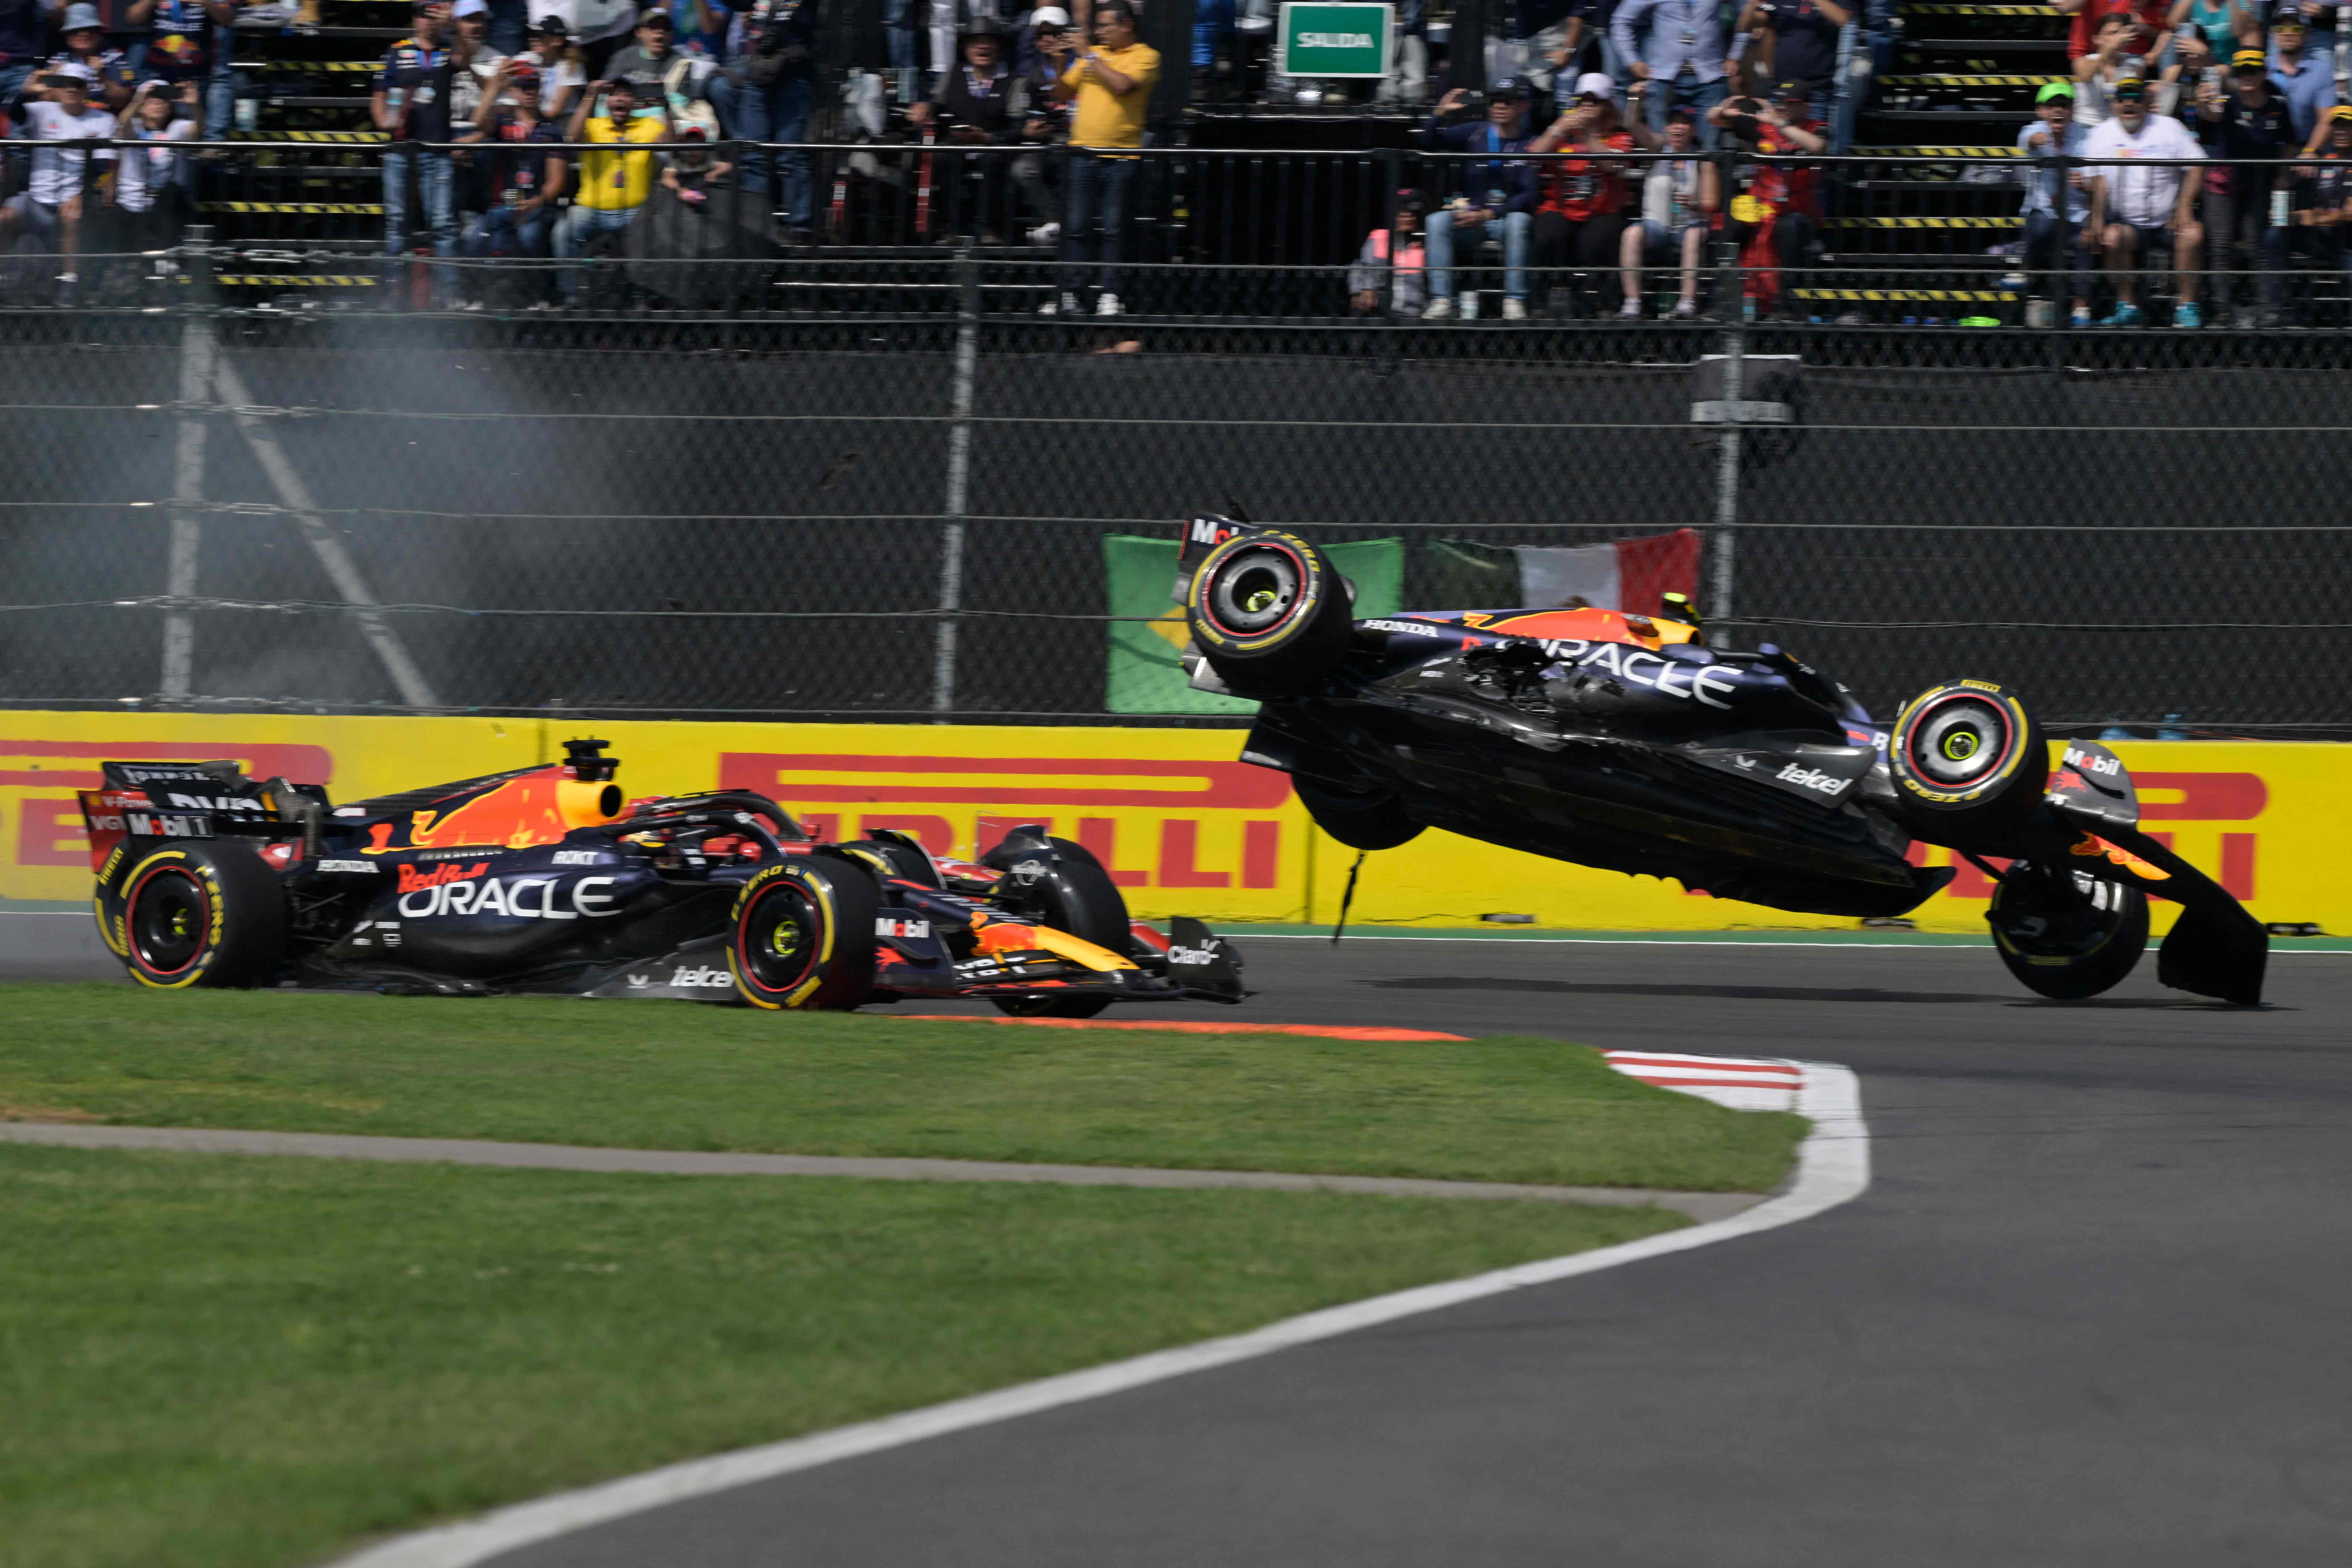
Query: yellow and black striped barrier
[1927,223]
[1911,296]
[307,209]
[313,136]
[295,280]
[1947,78]
[345,67]
[1918,152]
[2045,10]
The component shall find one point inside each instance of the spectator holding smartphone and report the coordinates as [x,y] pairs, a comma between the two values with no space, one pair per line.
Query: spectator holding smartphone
[1579,222]
[2323,203]
[1680,196]
[523,163]
[612,186]
[2245,129]
[1110,86]
[50,208]
[151,181]
[1497,195]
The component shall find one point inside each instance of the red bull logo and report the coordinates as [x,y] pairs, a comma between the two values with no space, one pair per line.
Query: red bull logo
[412,877]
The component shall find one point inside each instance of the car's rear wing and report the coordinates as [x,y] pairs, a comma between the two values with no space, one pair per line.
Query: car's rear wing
[195,800]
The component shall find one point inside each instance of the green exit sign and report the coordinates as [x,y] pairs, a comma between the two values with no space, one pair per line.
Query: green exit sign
[1319,39]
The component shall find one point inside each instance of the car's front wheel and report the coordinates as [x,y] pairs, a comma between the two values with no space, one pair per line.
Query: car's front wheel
[802,935]
[2065,935]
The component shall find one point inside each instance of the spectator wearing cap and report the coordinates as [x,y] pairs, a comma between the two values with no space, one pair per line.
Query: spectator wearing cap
[2243,130]
[1579,218]
[523,165]
[2309,84]
[1109,88]
[562,68]
[151,181]
[52,208]
[1680,195]
[979,103]
[2323,199]
[411,104]
[1677,46]
[2057,199]
[1498,192]
[1392,272]
[85,44]
[612,186]
[2143,199]
[475,59]
[1046,123]
[653,57]
[765,95]
[189,41]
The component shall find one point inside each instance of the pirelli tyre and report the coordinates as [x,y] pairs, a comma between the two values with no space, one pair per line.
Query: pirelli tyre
[1969,761]
[1065,886]
[2065,936]
[1270,614]
[200,915]
[802,935]
[1367,820]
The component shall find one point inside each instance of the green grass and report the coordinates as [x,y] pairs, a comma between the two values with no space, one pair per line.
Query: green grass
[224,1361]
[675,1076]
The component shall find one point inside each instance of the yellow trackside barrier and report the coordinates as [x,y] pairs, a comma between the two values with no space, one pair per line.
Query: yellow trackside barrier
[1184,825]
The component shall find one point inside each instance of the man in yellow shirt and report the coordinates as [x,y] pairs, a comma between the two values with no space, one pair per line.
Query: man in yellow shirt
[612,185]
[1112,85]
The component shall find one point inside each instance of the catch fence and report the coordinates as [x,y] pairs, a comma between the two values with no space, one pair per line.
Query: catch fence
[918,513]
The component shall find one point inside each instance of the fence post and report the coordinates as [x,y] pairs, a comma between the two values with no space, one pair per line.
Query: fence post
[958,484]
[1722,556]
[197,351]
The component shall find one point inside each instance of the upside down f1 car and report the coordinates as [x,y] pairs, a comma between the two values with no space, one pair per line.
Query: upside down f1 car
[547,879]
[1627,743]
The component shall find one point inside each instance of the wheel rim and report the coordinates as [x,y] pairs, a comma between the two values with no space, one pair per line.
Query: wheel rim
[169,914]
[1962,740]
[1256,591]
[781,937]
[2041,918]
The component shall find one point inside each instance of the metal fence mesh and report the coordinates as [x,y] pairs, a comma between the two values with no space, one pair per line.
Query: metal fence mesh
[753,515]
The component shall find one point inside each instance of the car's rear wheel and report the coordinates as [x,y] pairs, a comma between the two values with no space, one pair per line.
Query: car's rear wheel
[1371,819]
[2064,935]
[202,915]
[802,935]
[1968,762]
[1270,614]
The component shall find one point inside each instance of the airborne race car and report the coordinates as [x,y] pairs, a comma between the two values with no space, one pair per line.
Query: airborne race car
[1625,741]
[546,879]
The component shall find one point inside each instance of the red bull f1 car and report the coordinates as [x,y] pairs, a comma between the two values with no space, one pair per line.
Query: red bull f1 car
[1632,744]
[549,879]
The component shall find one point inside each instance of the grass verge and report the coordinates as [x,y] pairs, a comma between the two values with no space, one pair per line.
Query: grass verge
[672,1076]
[221,1360]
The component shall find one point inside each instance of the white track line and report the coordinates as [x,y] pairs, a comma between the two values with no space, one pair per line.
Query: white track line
[1832,1168]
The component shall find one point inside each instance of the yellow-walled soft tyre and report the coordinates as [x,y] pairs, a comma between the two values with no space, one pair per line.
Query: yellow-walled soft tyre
[106,898]
[1968,762]
[202,915]
[802,934]
[1270,614]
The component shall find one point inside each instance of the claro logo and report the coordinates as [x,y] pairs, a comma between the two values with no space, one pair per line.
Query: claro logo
[519,897]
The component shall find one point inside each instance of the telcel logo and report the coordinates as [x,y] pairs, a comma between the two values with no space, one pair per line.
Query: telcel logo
[1812,778]
[701,979]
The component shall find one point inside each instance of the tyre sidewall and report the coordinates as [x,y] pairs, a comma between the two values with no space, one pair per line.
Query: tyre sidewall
[844,899]
[1290,657]
[2083,975]
[2002,795]
[241,935]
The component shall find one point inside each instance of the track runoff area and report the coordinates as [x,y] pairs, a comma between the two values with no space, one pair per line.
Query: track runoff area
[2027,1339]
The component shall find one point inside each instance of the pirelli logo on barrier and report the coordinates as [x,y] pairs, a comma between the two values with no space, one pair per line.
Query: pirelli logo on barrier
[2226,811]
[1152,822]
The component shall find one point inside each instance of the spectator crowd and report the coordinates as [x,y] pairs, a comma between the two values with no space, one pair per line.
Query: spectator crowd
[2193,151]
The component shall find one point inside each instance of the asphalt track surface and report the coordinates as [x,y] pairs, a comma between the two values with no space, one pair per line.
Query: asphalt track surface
[2091,1312]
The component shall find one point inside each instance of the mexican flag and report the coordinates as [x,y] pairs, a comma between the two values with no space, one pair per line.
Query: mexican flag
[1145,674]
[1630,574]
